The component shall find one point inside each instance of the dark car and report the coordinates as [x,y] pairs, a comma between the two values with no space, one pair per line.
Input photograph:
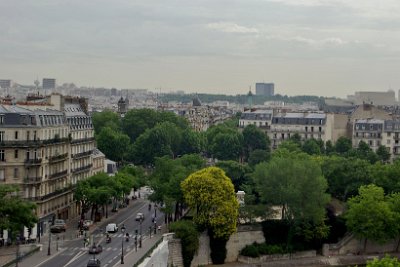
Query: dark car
[93,263]
[58,226]
[95,249]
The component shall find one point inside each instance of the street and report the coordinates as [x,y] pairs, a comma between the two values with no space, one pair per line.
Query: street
[75,254]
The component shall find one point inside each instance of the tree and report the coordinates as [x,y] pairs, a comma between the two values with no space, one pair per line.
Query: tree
[369,215]
[15,213]
[186,231]
[237,172]
[113,144]
[346,176]
[299,188]
[258,156]
[383,153]
[166,179]
[296,138]
[343,144]
[227,146]
[311,147]
[384,262]
[254,138]
[210,193]
[162,140]
[137,121]
[329,148]
[106,118]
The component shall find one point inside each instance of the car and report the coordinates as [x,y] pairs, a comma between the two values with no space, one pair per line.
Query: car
[139,216]
[111,228]
[95,249]
[58,226]
[93,263]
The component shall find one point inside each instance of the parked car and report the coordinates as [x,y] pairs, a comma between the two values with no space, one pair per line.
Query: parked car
[58,226]
[139,216]
[95,249]
[111,228]
[93,263]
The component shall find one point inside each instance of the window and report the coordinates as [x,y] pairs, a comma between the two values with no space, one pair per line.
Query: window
[371,143]
[16,135]
[15,172]
[312,129]
[388,141]
[2,178]
[1,135]
[28,135]
[320,129]
[34,135]
[2,155]
[16,153]
[2,121]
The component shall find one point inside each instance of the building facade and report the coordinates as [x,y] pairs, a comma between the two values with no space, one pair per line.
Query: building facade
[265,89]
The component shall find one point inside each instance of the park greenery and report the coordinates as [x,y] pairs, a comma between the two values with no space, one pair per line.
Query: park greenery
[299,178]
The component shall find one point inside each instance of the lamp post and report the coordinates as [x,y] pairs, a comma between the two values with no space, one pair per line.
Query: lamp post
[140,232]
[17,256]
[122,244]
[136,234]
[48,249]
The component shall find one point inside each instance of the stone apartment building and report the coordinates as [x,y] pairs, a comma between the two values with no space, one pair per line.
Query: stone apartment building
[307,125]
[46,147]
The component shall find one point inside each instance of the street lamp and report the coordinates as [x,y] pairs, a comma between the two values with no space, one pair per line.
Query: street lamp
[140,232]
[136,233]
[48,249]
[17,239]
[122,244]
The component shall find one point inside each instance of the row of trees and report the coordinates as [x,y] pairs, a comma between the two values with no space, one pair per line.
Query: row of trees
[98,190]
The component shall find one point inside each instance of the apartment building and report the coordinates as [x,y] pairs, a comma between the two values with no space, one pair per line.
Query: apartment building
[307,125]
[371,131]
[34,154]
[260,118]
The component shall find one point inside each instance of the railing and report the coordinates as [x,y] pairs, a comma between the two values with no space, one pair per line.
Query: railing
[58,158]
[32,180]
[82,154]
[58,174]
[51,195]
[31,162]
[82,169]
[83,140]
[32,143]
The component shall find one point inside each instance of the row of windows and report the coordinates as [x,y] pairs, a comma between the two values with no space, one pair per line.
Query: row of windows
[51,120]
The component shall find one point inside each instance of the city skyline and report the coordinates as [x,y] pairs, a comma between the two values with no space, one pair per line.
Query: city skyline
[305,47]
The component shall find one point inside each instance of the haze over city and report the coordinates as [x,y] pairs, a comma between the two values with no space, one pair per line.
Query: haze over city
[316,47]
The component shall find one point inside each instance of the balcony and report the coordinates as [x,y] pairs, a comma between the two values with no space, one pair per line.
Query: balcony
[32,180]
[32,162]
[82,169]
[20,143]
[83,140]
[82,154]
[58,158]
[58,175]
[48,196]
[56,140]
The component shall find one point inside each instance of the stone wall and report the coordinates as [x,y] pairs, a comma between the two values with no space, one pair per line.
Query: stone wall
[244,236]
[351,245]
[267,258]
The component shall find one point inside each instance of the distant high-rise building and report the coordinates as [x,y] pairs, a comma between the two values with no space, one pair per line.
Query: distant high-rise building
[265,89]
[5,84]
[49,83]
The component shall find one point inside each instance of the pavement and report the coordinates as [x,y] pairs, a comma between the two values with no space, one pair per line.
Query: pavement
[8,254]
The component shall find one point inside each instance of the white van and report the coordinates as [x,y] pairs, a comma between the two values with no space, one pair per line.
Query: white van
[111,228]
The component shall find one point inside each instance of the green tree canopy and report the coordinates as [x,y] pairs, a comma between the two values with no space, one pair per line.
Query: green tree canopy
[343,145]
[210,193]
[106,118]
[254,138]
[15,213]
[114,144]
[369,215]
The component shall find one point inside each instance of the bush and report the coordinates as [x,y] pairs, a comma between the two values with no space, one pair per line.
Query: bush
[255,250]
[187,232]
[218,249]
[250,251]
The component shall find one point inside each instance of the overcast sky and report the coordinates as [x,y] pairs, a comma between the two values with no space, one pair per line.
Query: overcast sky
[318,47]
